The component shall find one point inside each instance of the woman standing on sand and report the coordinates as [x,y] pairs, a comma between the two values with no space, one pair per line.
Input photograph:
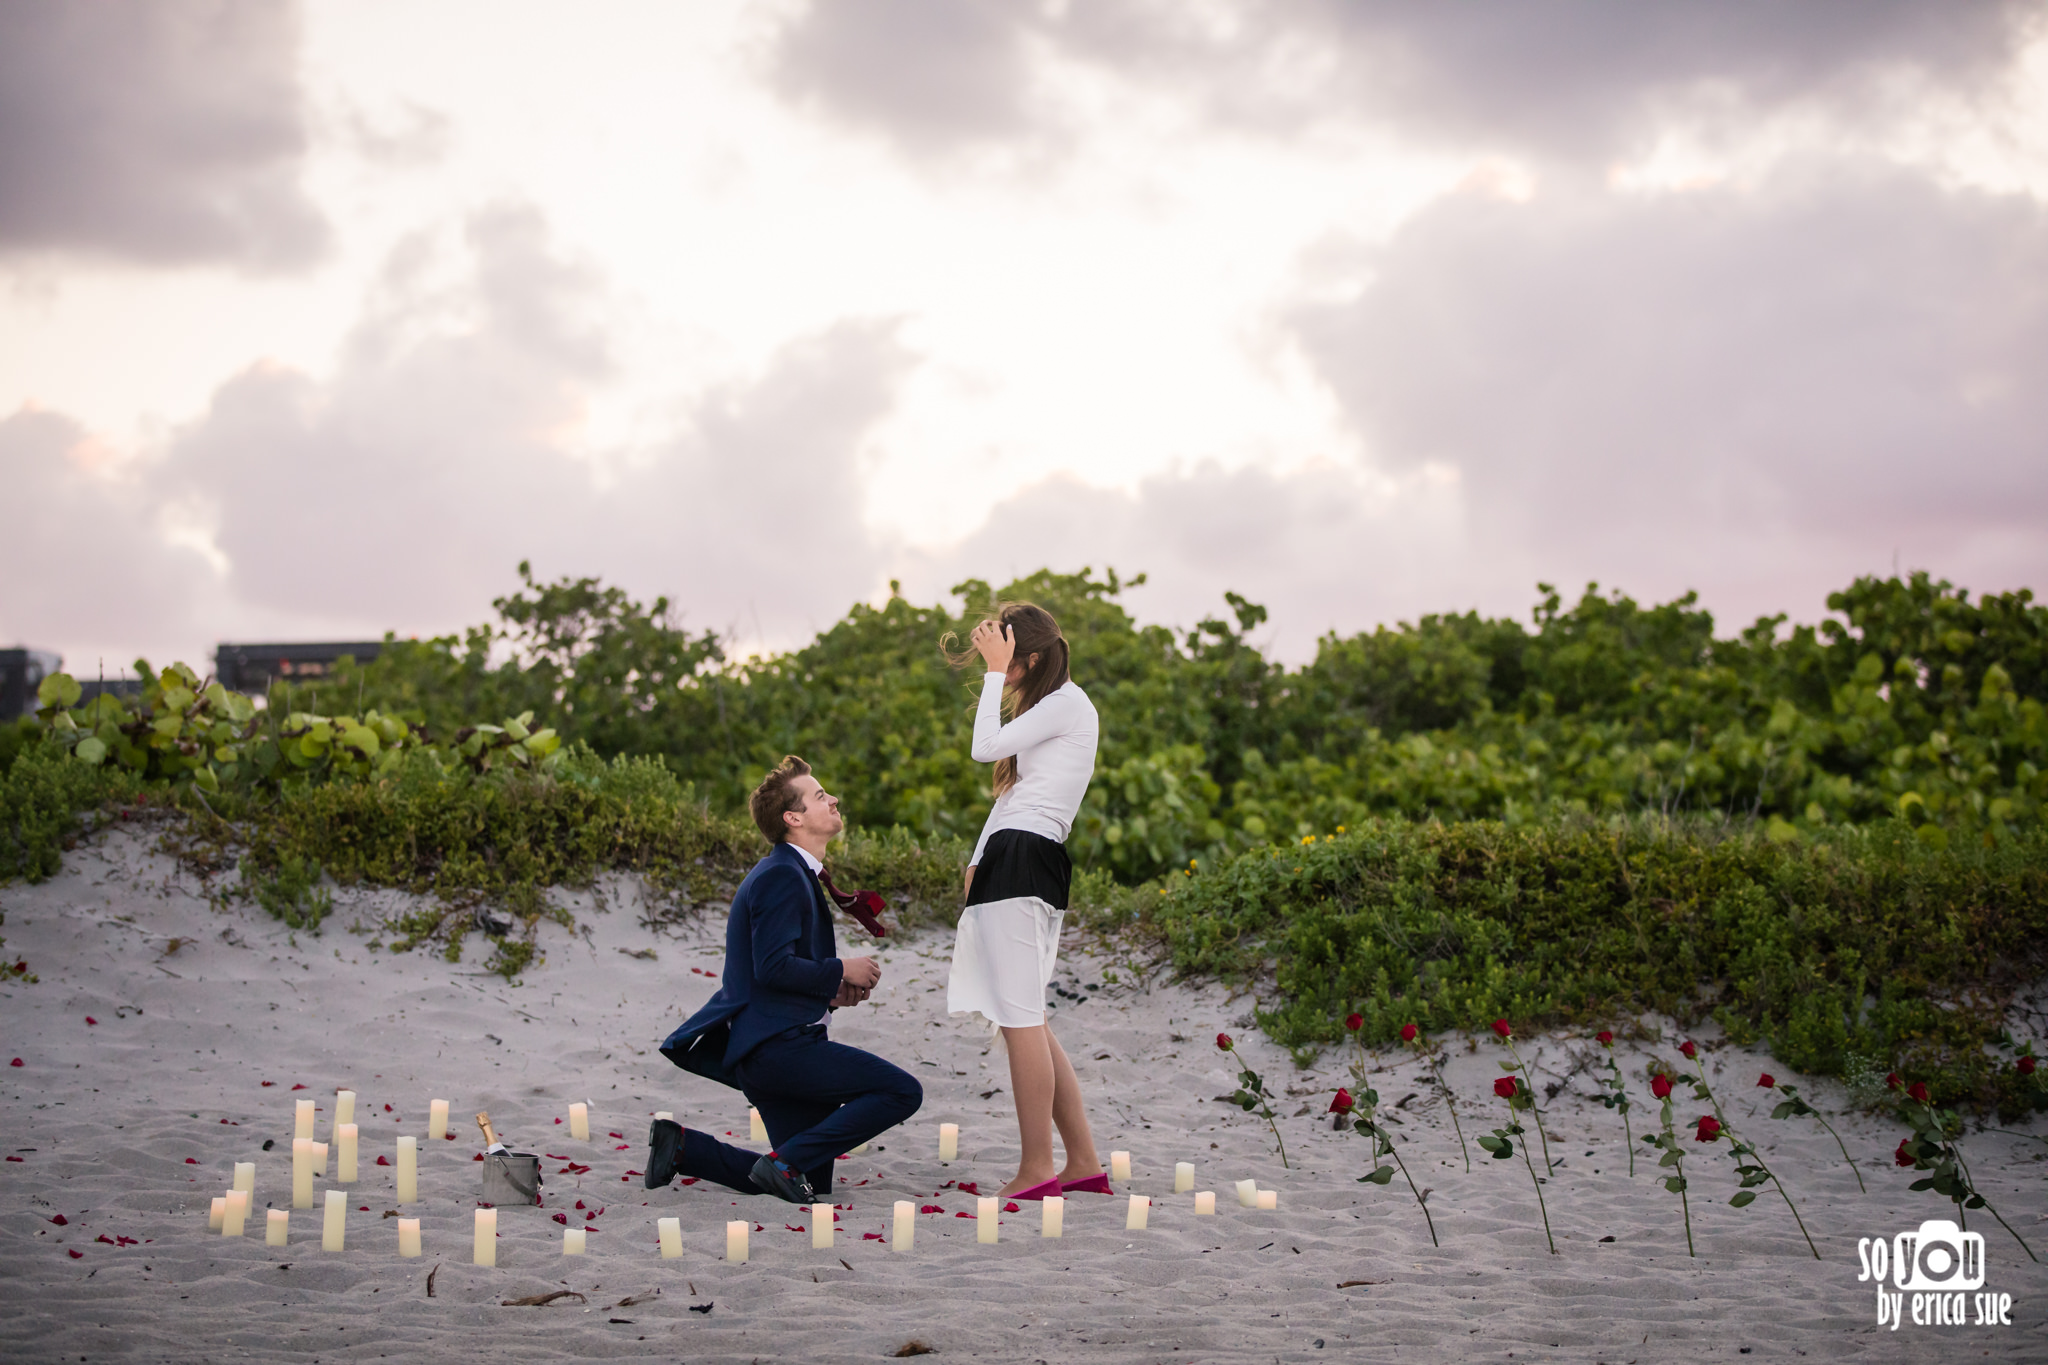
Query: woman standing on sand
[1017,882]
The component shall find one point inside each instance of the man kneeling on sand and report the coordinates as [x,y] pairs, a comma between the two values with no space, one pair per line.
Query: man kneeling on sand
[763,1031]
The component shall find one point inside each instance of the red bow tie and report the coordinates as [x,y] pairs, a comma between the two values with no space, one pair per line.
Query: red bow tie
[864,906]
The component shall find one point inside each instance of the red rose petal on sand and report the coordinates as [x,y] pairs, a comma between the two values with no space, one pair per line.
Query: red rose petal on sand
[791,1227]
[1010,1208]
[865,1237]
[61,1221]
[191,1161]
[963,1214]
[632,1173]
[362,1208]
[382,1162]
[74,1253]
[478,1157]
[17,1062]
[90,1020]
[387,1108]
[687,1180]
[969,1187]
[298,1087]
[562,1218]
[618,1135]
[268,1084]
[932,1208]
[449,1136]
[104,1238]
[14,1158]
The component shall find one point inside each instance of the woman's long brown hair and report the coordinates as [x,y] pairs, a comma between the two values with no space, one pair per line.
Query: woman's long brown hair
[1034,631]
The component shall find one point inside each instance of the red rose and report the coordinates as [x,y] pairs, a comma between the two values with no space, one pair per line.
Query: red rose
[1660,1086]
[1408,1032]
[1505,1087]
[1688,1049]
[1918,1090]
[2025,1064]
[1500,1026]
[1902,1157]
[1767,1081]
[1223,1041]
[1892,1082]
[1604,1038]
[1343,1103]
[1354,1022]
[1709,1129]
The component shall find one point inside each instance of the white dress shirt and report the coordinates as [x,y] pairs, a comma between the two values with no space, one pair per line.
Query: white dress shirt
[1054,745]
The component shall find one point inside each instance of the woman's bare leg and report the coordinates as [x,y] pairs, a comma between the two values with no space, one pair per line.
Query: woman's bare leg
[1071,1115]
[1033,1082]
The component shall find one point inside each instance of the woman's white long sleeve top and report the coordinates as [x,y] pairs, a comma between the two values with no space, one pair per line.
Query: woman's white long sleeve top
[1054,745]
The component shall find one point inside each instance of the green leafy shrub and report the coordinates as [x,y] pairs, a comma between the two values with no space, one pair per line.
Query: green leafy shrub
[292,892]
[1856,943]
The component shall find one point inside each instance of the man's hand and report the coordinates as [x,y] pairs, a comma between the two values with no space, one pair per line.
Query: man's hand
[849,994]
[863,972]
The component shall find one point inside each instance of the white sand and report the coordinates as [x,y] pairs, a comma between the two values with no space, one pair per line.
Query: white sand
[104,1118]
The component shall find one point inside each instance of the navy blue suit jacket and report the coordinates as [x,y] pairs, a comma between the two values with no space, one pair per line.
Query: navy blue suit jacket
[781,961]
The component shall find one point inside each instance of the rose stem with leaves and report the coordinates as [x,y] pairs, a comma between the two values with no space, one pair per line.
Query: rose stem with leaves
[1739,1148]
[1933,1147]
[1251,1095]
[1502,1142]
[1793,1105]
[1618,1099]
[1412,1036]
[1368,1099]
[1507,1035]
[1383,1145]
[1674,1155]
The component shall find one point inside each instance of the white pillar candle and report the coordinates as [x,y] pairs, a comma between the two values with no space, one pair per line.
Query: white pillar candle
[949,1142]
[1119,1165]
[302,1119]
[344,1108]
[671,1233]
[319,1150]
[331,1226]
[1183,1176]
[1141,1209]
[1205,1203]
[245,1176]
[486,1237]
[408,1237]
[905,1229]
[1054,1219]
[345,1156]
[821,1227]
[236,1212]
[408,1170]
[579,1122]
[572,1241]
[437,1120]
[302,1173]
[756,1129]
[736,1239]
[217,1213]
[1269,1199]
[984,1219]
[276,1224]
[1248,1193]
[664,1114]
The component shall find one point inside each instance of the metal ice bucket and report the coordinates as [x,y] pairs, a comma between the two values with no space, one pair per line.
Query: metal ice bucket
[511,1178]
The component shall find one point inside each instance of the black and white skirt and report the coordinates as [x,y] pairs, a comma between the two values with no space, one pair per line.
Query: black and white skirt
[1008,941]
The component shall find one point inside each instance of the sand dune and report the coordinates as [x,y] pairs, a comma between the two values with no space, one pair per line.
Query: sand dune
[208,1018]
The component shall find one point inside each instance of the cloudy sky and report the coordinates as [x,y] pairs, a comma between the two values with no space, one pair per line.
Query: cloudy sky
[315,320]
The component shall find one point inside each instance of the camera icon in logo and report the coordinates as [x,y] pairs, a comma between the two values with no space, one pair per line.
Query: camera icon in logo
[1940,1256]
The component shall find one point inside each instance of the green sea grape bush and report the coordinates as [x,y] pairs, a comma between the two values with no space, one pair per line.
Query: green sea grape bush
[1858,942]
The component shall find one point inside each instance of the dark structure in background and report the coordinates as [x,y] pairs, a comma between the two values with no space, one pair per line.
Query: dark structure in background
[21,672]
[253,668]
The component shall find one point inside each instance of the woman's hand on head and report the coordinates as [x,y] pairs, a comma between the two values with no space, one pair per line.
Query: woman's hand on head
[996,645]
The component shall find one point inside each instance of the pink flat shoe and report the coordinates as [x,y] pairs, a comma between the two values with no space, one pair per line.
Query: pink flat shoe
[1093,1184]
[1038,1191]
